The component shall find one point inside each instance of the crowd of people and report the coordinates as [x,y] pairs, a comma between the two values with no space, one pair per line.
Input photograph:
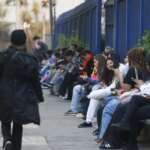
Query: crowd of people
[116,93]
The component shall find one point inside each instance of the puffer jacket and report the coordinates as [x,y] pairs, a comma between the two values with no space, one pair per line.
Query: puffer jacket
[20,90]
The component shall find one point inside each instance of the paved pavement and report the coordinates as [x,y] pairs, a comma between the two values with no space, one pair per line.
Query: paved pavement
[58,132]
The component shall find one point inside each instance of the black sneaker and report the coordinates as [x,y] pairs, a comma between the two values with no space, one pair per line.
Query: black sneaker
[70,112]
[105,145]
[95,132]
[85,125]
[46,84]
[8,145]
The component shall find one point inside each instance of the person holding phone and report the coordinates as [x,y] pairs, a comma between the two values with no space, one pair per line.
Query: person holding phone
[138,109]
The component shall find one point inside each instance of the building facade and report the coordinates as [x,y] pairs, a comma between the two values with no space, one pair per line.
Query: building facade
[66,5]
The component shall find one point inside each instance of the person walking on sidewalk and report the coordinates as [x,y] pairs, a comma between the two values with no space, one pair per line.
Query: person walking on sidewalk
[20,91]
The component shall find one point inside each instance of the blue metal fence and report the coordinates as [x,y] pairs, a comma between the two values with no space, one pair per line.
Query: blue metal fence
[120,28]
[131,20]
[85,21]
[109,31]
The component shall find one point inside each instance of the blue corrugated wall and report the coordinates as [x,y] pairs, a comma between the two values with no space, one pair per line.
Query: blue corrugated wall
[85,21]
[120,28]
[109,31]
[133,23]
[131,20]
[145,14]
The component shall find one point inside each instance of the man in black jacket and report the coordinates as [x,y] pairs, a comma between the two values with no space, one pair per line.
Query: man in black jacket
[20,91]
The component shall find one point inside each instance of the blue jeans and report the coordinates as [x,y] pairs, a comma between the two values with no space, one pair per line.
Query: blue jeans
[107,114]
[44,69]
[78,93]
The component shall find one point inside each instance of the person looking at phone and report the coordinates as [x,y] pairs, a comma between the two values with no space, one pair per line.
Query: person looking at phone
[138,109]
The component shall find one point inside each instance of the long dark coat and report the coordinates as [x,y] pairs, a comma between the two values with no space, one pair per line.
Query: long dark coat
[20,90]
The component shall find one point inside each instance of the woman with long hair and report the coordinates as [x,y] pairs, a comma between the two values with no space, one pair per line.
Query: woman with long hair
[110,76]
[79,90]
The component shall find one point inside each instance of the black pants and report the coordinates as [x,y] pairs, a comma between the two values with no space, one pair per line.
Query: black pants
[84,105]
[135,103]
[99,116]
[134,111]
[67,85]
[13,134]
[139,109]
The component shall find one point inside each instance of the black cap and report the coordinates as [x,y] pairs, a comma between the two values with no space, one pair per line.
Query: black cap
[18,37]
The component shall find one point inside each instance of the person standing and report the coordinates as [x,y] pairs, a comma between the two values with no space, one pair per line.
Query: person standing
[20,91]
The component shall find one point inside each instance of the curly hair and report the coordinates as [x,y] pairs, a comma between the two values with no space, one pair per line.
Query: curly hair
[136,57]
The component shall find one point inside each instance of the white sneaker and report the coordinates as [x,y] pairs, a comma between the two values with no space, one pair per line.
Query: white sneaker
[80,115]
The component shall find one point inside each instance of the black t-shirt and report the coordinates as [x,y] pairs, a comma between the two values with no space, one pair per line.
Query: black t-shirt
[132,75]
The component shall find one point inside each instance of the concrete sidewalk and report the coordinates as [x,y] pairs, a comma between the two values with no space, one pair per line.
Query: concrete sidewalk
[58,132]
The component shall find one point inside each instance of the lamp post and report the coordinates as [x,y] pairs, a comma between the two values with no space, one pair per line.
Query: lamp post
[51,16]
[52,4]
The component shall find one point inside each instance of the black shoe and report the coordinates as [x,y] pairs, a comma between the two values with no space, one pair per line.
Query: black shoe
[106,145]
[68,98]
[49,85]
[85,125]
[122,126]
[70,112]
[8,145]
[96,132]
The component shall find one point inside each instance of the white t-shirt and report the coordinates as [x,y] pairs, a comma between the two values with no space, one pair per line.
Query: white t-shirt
[145,89]
[123,68]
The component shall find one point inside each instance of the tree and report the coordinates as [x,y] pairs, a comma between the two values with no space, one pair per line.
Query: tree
[36,9]
[3,13]
[26,17]
[145,41]
[23,2]
[8,2]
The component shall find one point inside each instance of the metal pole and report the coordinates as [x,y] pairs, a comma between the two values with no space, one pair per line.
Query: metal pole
[51,21]
[54,16]
[51,16]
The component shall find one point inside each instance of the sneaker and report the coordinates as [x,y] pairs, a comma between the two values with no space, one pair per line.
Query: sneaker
[98,140]
[80,115]
[95,132]
[8,145]
[63,97]
[85,125]
[105,145]
[70,112]
[44,84]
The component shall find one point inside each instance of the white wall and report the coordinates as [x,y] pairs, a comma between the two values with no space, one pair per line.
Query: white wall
[65,5]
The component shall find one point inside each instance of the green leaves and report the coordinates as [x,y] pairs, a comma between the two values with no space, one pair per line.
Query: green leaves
[67,41]
[145,41]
